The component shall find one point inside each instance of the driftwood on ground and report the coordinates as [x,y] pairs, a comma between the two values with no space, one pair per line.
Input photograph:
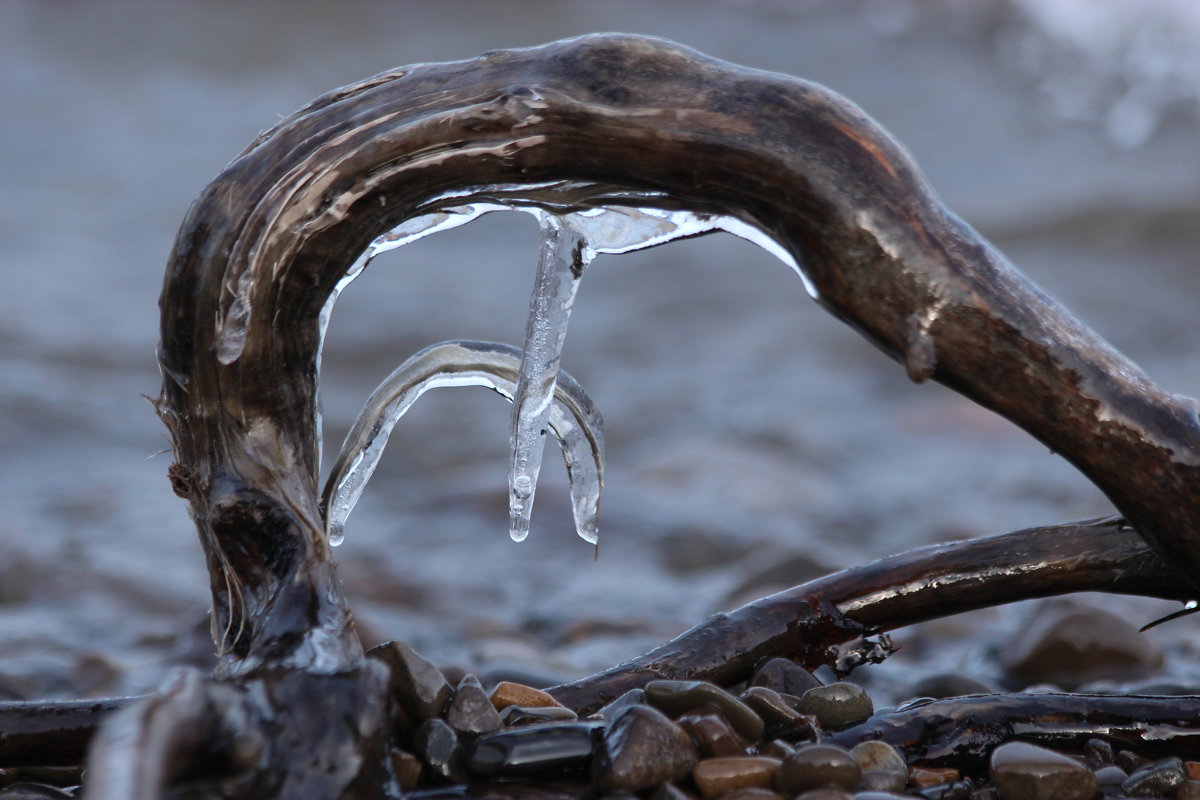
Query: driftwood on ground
[594,121]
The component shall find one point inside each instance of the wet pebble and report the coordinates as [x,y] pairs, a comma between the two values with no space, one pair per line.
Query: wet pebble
[437,745]
[927,777]
[712,732]
[676,697]
[529,750]
[407,768]
[716,776]
[507,693]
[837,705]
[1130,761]
[516,716]
[1099,751]
[955,790]
[1069,645]
[1110,775]
[415,683]
[883,768]
[1159,779]
[471,714]
[779,717]
[784,675]
[1023,771]
[816,766]
[669,791]
[641,749]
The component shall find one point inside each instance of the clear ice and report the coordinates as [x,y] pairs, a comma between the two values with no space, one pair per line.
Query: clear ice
[573,420]
[577,223]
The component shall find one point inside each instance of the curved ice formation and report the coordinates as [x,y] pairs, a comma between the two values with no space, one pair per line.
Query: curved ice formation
[572,418]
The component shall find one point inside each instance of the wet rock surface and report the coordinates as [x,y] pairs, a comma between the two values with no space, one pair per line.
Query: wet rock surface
[642,749]
[1023,771]
[837,705]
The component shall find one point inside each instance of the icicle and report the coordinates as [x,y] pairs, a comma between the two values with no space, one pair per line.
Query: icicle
[563,256]
[573,420]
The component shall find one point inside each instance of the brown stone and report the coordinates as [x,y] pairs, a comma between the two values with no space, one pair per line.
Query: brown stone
[815,766]
[407,768]
[642,748]
[1023,771]
[712,732]
[924,777]
[716,776]
[508,694]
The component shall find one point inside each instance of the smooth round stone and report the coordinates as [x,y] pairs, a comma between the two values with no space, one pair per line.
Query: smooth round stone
[712,733]
[1099,751]
[407,768]
[507,693]
[784,675]
[1130,761]
[631,698]
[540,748]
[837,705]
[676,697]
[471,714]
[716,776]
[415,683]
[1111,775]
[641,749]
[881,756]
[815,766]
[1159,779]
[1022,771]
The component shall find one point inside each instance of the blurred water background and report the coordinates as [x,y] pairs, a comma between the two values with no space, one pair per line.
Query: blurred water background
[753,441]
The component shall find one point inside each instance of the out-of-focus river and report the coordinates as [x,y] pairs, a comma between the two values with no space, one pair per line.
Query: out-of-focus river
[746,428]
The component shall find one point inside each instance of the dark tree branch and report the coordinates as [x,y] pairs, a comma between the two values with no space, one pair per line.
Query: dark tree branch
[810,622]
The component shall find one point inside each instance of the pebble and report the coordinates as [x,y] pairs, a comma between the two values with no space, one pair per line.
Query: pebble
[641,749]
[716,776]
[784,675]
[712,732]
[1111,775]
[407,768]
[516,716]
[507,693]
[675,697]
[1159,779]
[1193,770]
[1189,791]
[471,714]
[437,745]
[1069,645]
[415,684]
[524,751]
[777,715]
[955,790]
[837,705]
[883,768]
[1099,751]
[1022,771]
[926,777]
[1130,761]
[815,766]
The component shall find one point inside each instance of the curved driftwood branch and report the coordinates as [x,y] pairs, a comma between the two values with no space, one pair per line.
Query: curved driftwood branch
[811,622]
[592,121]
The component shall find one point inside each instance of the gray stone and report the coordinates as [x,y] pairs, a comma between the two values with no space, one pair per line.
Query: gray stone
[837,705]
[437,745]
[415,684]
[642,749]
[540,748]
[471,713]
[816,766]
[1159,779]
[1023,771]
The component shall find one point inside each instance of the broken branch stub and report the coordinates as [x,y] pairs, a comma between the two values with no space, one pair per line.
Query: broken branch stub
[597,120]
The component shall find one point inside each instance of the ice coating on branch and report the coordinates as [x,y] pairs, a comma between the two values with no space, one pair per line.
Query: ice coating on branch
[573,420]
[577,223]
